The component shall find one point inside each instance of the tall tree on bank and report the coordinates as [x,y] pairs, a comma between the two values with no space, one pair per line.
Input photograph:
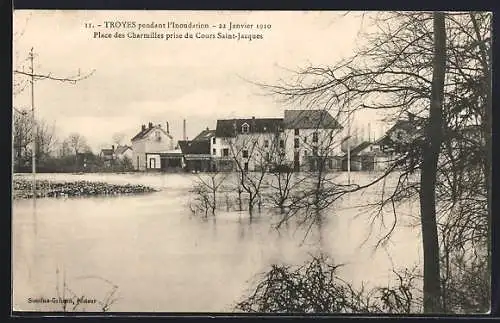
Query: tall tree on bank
[428,173]
[399,72]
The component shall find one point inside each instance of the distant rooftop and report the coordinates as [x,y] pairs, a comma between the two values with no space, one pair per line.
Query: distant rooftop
[310,119]
[230,127]
[204,135]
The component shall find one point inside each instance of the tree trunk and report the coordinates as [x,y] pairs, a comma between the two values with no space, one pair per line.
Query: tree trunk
[433,136]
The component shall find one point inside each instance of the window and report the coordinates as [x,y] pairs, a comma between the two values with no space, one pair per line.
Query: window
[214,151]
[305,153]
[245,128]
[282,143]
[305,139]
[246,167]
[296,143]
[315,136]
[315,151]
[225,152]
[152,163]
[268,156]
[213,140]
[157,135]
[245,153]
[330,163]
[266,143]
[296,132]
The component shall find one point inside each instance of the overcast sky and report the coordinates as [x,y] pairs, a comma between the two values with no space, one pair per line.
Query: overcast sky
[141,80]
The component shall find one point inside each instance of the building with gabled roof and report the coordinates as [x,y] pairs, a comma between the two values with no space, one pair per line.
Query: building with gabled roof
[197,154]
[124,151]
[312,137]
[148,144]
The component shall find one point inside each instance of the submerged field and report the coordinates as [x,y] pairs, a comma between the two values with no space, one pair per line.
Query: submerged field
[160,256]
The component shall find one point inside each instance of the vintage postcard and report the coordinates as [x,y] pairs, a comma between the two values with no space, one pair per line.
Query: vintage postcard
[251,161]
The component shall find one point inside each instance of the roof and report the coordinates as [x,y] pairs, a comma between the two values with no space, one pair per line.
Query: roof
[356,150]
[205,135]
[229,127]
[405,125]
[412,127]
[143,133]
[122,149]
[107,151]
[194,146]
[310,119]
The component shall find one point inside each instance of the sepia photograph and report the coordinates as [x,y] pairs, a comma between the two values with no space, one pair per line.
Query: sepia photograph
[251,162]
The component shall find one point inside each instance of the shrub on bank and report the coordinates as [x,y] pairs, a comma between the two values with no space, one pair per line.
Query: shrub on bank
[22,188]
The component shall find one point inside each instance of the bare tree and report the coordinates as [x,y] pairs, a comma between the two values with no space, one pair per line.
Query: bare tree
[429,172]
[255,151]
[207,186]
[394,73]
[23,138]
[77,143]
[46,140]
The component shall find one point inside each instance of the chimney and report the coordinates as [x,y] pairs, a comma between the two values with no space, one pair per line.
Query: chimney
[253,123]
[207,129]
[184,129]
[143,127]
[113,147]
[150,125]
[168,128]
[369,133]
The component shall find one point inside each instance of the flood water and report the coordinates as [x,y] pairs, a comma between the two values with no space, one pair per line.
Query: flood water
[162,258]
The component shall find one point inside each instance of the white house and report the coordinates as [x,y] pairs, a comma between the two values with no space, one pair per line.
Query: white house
[151,141]
[247,144]
[312,136]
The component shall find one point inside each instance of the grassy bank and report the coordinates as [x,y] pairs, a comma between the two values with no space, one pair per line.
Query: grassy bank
[22,188]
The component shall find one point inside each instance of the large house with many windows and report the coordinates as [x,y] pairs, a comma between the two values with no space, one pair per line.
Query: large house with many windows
[247,144]
[312,138]
[300,141]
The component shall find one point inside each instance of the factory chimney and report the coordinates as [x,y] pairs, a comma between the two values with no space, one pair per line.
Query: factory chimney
[168,130]
[184,129]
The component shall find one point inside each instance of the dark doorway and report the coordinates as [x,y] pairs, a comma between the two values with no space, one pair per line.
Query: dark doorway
[246,167]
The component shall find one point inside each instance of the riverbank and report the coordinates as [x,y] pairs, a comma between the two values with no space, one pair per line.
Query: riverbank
[22,188]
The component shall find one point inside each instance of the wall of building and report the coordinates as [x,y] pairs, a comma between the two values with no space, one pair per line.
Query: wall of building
[153,145]
[139,155]
[257,152]
[220,144]
[325,145]
[149,144]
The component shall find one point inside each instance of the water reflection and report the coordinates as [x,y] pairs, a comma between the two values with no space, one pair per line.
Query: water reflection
[162,258]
